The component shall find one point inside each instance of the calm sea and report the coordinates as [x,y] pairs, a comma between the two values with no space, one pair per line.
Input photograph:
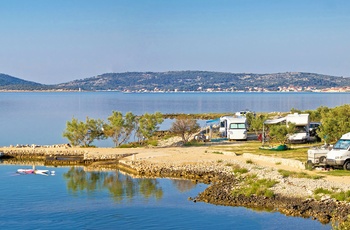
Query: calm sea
[75,199]
[40,118]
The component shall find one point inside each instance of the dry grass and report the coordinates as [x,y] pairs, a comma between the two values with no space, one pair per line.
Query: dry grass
[297,152]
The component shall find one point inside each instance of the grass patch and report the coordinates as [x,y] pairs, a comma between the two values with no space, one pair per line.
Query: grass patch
[194,143]
[216,152]
[131,145]
[219,161]
[253,186]
[239,170]
[322,191]
[152,142]
[339,196]
[341,225]
[286,173]
[249,161]
[295,151]
[278,163]
[338,172]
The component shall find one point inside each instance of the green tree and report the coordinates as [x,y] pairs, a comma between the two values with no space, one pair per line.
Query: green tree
[120,128]
[279,133]
[81,133]
[316,115]
[334,123]
[148,124]
[256,122]
[185,127]
[294,110]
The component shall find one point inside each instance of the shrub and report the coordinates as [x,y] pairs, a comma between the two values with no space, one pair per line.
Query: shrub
[216,152]
[253,186]
[286,173]
[239,170]
[322,191]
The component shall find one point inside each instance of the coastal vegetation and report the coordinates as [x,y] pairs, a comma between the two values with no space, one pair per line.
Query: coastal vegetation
[287,173]
[237,169]
[334,123]
[119,128]
[334,193]
[250,185]
[83,133]
[185,127]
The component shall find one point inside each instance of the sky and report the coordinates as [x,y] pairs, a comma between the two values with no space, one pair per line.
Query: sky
[50,41]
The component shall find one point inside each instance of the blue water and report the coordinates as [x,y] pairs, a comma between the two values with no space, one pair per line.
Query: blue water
[112,200]
[40,118]
[53,202]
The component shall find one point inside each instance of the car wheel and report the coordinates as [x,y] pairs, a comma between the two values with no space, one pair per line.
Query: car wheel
[346,165]
[322,160]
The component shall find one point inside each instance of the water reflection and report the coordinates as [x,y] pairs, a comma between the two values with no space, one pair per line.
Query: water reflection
[120,186]
[184,185]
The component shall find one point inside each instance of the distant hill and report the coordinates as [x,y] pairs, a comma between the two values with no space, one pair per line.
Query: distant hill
[203,80]
[8,82]
[186,81]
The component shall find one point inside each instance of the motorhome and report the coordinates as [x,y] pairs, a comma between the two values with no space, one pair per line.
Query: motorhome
[236,128]
[302,125]
[339,156]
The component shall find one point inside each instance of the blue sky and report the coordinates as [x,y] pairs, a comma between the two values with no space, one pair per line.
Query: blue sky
[51,41]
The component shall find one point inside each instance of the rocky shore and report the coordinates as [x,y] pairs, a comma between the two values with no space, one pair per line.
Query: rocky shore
[292,196]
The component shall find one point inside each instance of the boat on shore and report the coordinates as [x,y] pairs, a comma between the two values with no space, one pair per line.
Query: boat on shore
[35,171]
[25,171]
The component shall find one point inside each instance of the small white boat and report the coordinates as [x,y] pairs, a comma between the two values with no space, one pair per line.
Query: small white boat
[33,171]
[41,171]
[25,171]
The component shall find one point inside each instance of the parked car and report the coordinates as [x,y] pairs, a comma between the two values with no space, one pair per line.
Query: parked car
[313,128]
[339,156]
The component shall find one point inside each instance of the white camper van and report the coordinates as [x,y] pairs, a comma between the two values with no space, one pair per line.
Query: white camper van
[339,156]
[237,128]
[302,124]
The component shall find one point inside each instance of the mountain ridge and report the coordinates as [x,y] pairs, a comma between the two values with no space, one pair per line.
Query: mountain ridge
[8,82]
[204,81]
[185,81]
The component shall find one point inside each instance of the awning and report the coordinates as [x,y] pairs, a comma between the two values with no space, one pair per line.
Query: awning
[274,121]
[212,121]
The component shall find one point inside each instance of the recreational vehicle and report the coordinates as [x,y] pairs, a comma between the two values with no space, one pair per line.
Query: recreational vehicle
[236,128]
[302,125]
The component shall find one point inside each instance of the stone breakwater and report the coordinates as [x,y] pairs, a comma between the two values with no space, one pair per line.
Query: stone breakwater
[291,194]
[61,154]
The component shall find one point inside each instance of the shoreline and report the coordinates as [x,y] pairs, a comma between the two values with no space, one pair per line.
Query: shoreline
[293,196]
[167,92]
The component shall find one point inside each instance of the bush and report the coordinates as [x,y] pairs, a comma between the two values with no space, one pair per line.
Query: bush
[239,170]
[252,186]
[286,173]
[322,191]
